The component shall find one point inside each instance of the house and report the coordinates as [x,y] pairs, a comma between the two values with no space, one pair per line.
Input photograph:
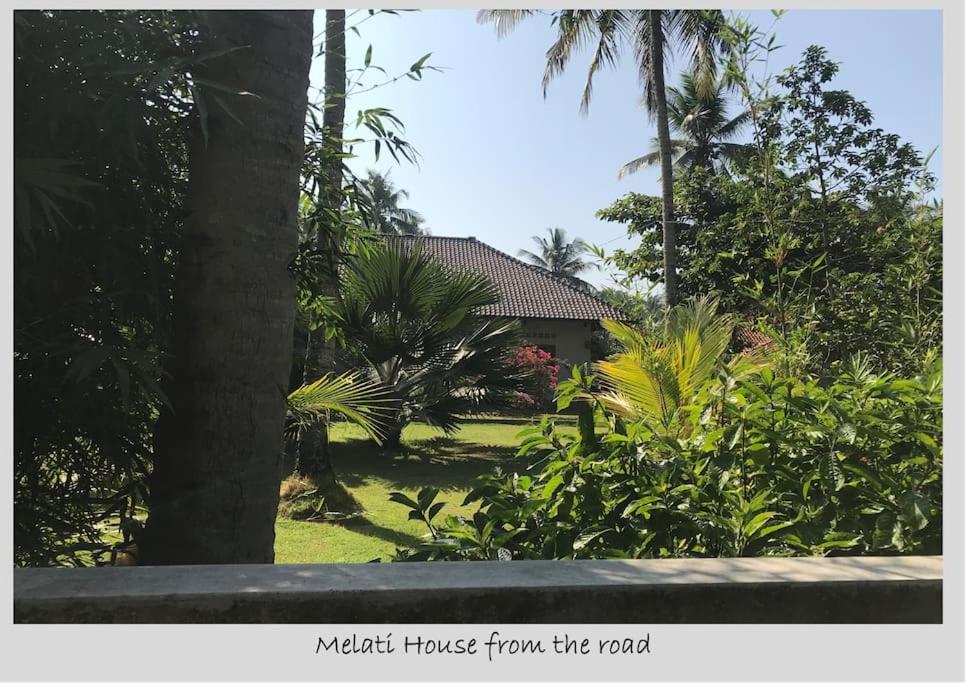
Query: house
[555,315]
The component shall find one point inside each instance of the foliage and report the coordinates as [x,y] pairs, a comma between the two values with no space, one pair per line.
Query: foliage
[645,310]
[611,32]
[818,235]
[104,106]
[655,378]
[762,464]
[411,321]
[361,401]
[701,117]
[107,103]
[383,211]
[559,256]
[539,369]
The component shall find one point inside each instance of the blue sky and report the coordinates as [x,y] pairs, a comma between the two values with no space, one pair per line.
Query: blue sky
[502,163]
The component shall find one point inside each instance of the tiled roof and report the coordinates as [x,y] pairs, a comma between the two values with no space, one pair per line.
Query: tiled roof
[752,338]
[526,291]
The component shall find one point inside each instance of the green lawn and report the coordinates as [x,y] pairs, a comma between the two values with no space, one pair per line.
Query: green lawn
[429,458]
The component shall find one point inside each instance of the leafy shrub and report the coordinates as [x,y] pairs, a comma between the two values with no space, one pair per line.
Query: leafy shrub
[753,463]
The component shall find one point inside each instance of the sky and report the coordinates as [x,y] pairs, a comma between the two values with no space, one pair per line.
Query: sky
[501,162]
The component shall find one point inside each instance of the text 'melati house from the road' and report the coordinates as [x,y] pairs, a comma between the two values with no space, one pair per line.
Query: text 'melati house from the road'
[554,314]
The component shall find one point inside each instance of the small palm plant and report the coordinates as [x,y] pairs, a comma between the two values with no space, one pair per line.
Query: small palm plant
[654,378]
[413,323]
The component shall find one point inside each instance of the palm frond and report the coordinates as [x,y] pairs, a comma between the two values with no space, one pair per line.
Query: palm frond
[734,126]
[534,259]
[654,378]
[504,20]
[635,165]
[360,400]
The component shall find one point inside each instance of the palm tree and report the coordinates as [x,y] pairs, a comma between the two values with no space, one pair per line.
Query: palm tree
[381,200]
[559,256]
[648,34]
[410,320]
[217,459]
[701,118]
[313,441]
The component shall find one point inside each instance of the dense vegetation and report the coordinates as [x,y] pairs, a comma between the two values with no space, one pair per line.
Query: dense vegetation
[95,253]
[680,454]
[110,108]
[820,236]
[826,437]
[160,357]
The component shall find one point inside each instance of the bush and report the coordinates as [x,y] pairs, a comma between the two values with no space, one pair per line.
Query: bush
[752,463]
[539,370]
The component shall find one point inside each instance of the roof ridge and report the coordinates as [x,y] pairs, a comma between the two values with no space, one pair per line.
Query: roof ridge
[435,237]
[590,297]
[549,273]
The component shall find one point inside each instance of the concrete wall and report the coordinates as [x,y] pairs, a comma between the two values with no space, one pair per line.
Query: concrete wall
[739,590]
[571,338]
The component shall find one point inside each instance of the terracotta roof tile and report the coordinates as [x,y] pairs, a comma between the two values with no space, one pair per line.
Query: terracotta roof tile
[527,291]
[752,338]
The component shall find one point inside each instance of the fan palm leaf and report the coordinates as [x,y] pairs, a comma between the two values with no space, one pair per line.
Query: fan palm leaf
[360,400]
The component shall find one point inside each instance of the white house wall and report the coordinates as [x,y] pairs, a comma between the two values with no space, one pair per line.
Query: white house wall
[568,339]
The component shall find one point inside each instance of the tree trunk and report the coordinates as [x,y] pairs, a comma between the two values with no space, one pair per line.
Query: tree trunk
[656,37]
[215,486]
[393,438]
[314,457]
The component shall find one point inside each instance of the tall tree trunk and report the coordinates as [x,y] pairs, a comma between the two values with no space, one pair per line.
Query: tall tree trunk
[214,490]
[656,37]
[314,457]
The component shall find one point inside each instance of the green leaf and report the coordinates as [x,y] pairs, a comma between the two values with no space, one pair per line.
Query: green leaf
[915,510]
[756,523]
[368,57]
[589,537]
[426,497]
[403,499]
[418,64]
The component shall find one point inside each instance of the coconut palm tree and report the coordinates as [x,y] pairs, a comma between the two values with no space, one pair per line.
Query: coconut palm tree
[381,200]
[559,256]
[648,34]
[214,487]
[701,120]
[313,439]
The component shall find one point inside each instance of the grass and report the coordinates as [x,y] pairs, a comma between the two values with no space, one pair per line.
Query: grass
[428,458]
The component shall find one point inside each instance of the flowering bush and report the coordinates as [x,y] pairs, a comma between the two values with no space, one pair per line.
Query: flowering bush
[540,369]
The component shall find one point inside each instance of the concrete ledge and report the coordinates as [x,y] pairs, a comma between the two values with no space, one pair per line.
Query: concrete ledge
[741,590]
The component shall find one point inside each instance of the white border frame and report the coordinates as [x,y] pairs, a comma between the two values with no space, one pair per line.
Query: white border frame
[745,652]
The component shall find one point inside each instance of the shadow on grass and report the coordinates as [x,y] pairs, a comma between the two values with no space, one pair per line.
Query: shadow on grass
[442,462]
[366,527]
